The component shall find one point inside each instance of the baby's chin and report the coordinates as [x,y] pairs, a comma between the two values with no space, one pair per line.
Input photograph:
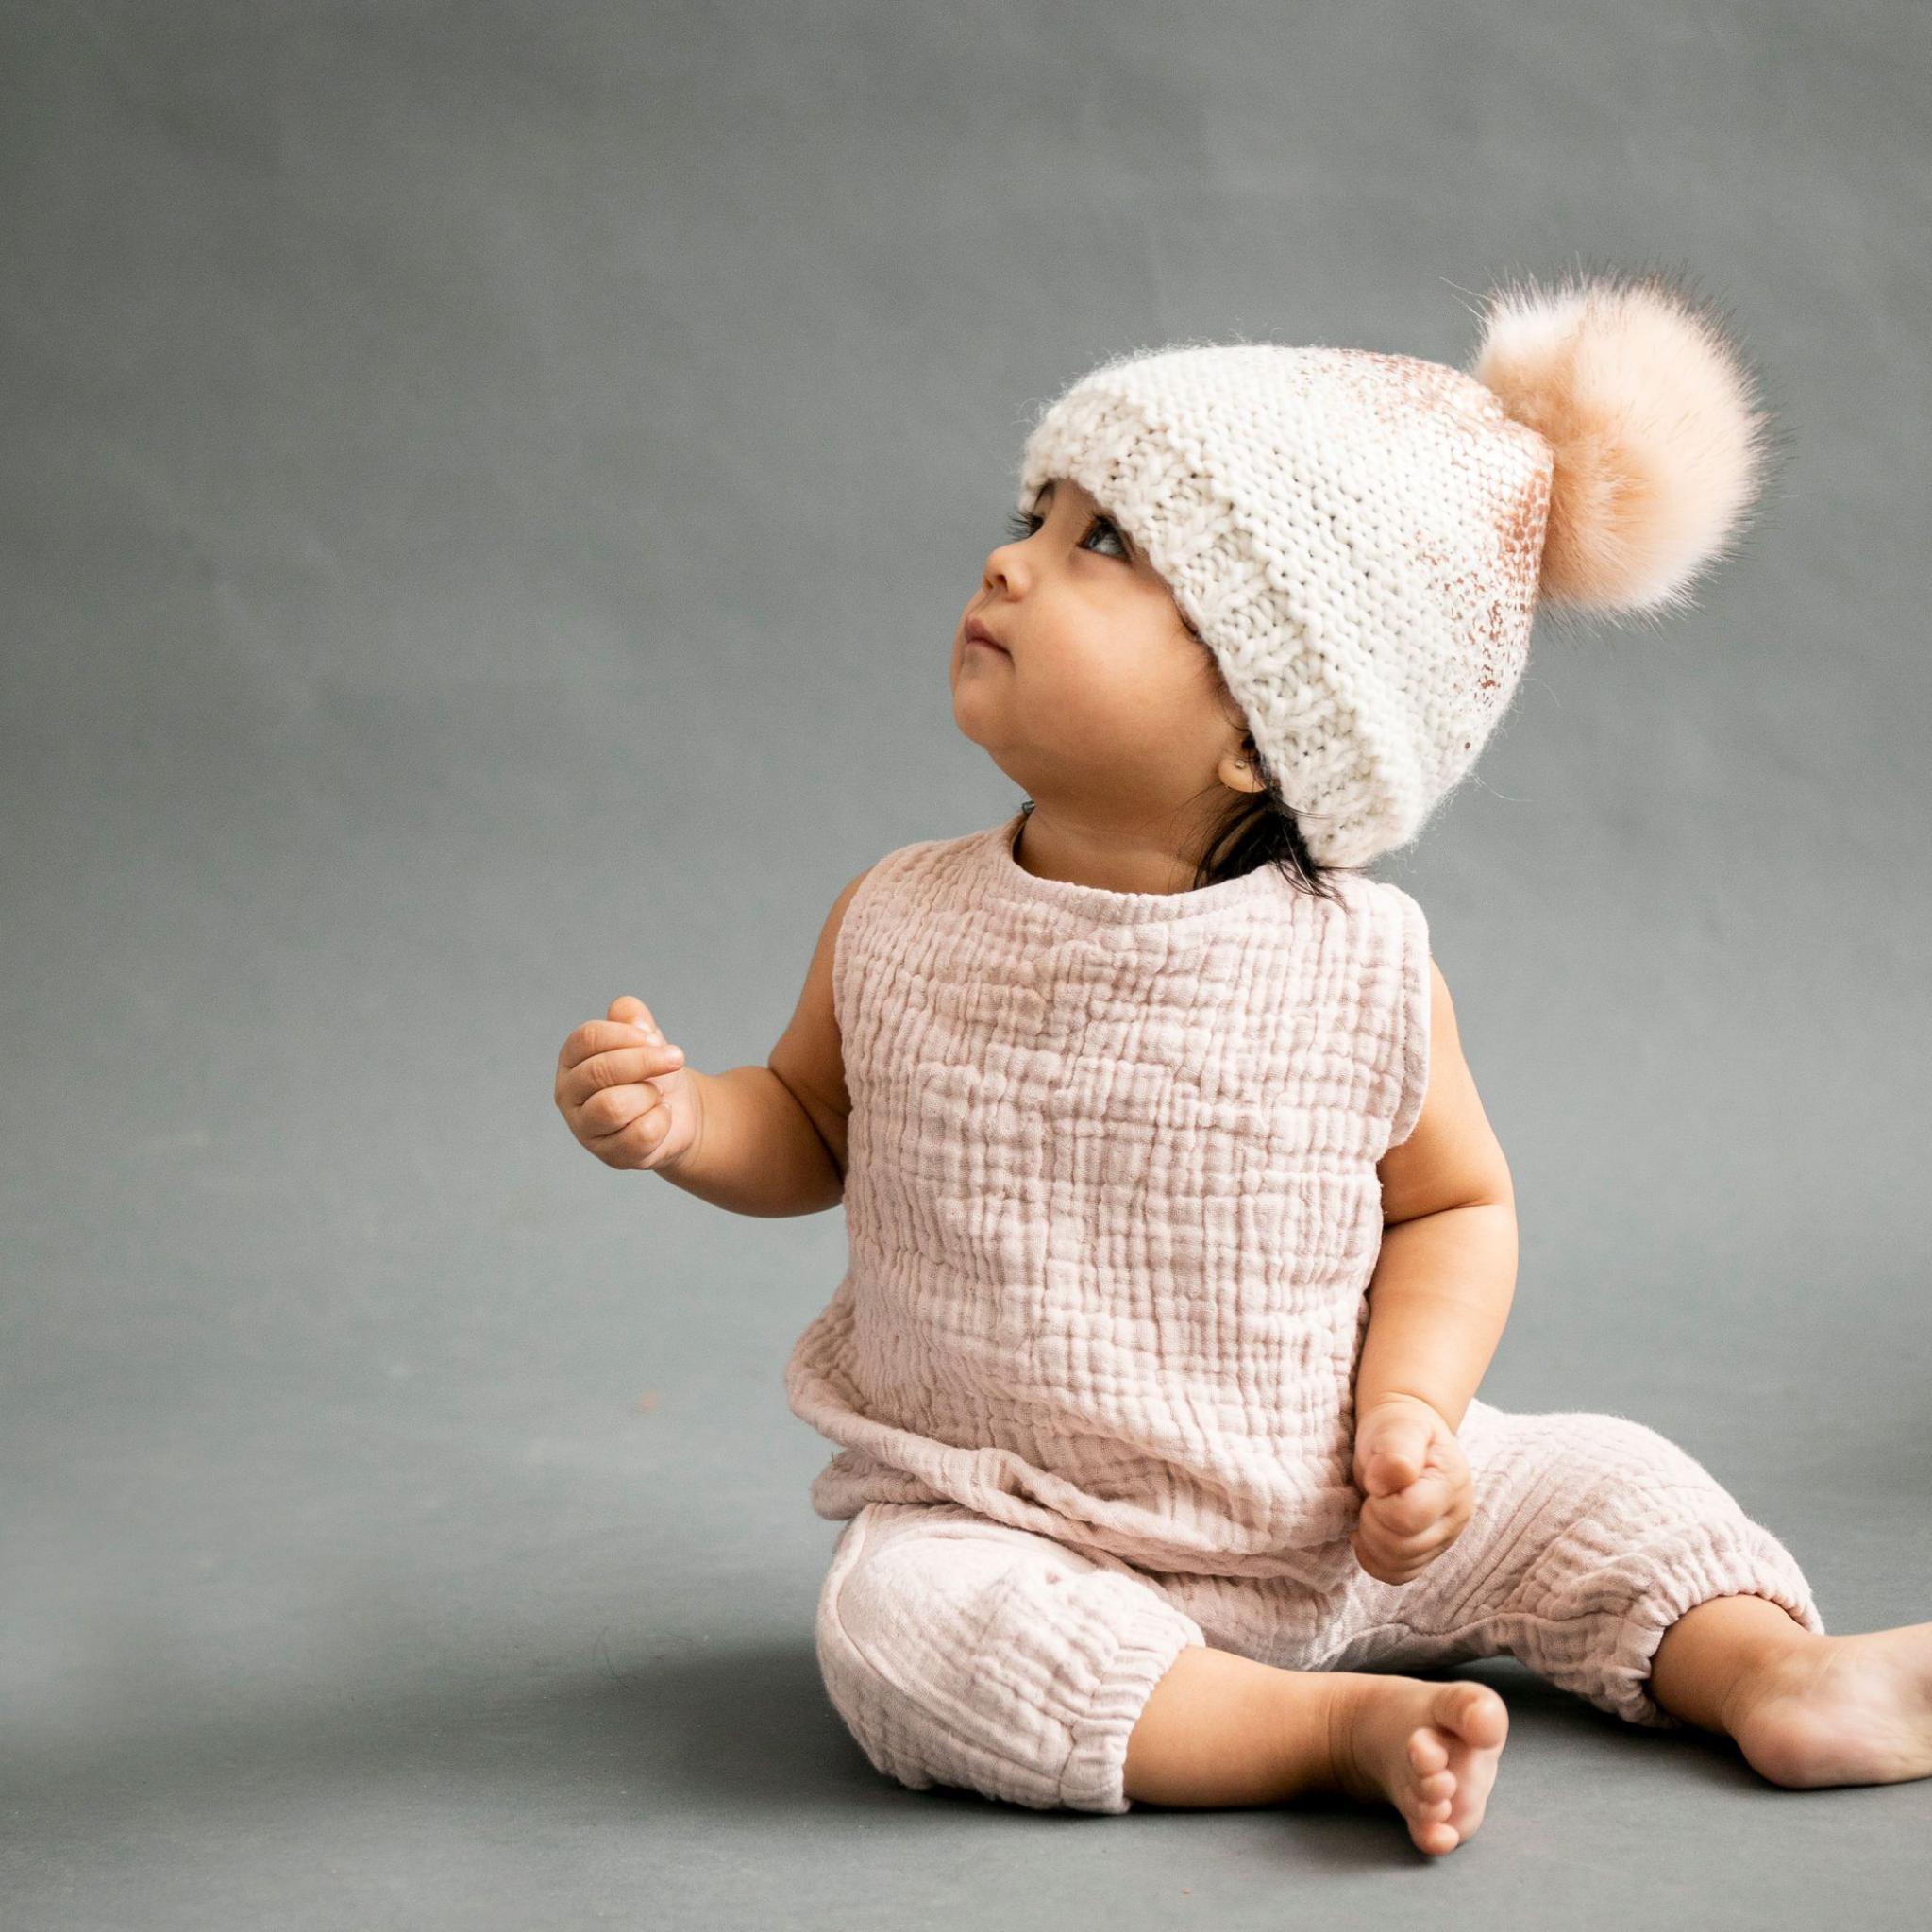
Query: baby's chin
[976,708]
[978,728]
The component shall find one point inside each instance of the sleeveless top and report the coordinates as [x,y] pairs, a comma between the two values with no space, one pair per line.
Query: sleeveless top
[1112,1203]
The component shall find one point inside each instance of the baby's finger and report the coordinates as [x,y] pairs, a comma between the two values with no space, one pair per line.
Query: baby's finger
[1403,1572]
[1423,1544]
[1414,1509]
[633,1139]
[1384,1563]
[629,1010]
[613,1112]
[596,1036]
[623,1066]
[619,1103]
[1398,1545]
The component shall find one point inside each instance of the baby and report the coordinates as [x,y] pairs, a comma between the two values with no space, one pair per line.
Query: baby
[1179,1240]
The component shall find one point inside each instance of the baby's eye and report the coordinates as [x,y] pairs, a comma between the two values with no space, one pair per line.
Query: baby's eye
[1020,527]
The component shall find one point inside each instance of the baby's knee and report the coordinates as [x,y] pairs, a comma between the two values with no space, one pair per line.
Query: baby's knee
[965,1653]
[1611,1469]
[1611,1509]
[896,1610]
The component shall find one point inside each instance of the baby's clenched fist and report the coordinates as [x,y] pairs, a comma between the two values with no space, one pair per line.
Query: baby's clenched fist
[625,1093]
[1416,1486]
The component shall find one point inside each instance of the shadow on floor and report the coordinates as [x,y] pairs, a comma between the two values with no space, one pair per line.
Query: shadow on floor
[692,1735]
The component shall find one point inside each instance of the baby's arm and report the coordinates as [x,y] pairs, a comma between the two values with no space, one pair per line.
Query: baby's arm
[1446,1276]
[771,1139]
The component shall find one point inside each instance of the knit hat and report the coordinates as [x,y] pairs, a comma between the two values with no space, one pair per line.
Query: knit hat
[1364,539]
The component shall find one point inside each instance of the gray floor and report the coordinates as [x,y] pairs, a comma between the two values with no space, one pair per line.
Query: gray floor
[484,495]
[414,1657]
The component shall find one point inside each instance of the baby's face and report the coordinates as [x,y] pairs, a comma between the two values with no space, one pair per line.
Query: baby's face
[1101,693]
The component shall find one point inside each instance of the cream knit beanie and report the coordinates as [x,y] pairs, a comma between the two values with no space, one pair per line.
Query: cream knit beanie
[1363,540]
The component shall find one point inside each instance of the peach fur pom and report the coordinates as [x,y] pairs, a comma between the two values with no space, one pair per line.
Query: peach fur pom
[1660,445]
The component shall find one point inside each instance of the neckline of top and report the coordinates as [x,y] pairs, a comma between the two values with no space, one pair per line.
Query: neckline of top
[1120,908]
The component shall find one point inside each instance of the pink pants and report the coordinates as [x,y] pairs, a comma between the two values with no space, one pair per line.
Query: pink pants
[962,1652]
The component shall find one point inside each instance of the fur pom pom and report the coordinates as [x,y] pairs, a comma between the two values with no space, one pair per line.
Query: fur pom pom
[1661,449]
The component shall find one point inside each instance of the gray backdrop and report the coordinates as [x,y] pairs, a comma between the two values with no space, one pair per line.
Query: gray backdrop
[488,493]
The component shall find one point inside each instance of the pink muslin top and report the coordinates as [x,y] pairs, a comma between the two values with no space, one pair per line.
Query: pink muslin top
[1111,1201]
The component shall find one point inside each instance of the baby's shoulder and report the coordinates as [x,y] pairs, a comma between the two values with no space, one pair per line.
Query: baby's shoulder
[921,866]
[1385,910]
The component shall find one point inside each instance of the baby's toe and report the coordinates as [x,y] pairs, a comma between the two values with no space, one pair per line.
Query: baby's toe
[1476,1714]
[1430,1805]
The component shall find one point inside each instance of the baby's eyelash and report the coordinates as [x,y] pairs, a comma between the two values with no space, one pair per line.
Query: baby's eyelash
[1019,526]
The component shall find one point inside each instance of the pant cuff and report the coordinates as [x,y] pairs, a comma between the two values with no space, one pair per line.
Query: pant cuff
[1719,1561]
[1093,1776]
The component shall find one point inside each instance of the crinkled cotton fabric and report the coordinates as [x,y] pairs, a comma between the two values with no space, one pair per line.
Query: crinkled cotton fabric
[1111,1201]
[1113,1211]
[960,1650]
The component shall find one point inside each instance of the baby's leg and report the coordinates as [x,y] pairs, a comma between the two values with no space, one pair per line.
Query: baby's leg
[964,1651]
[1613,1562]
[1806,1709]
[1592,1535]
[1225,1729]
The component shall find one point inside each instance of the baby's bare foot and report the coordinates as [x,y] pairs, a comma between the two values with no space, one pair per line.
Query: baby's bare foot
[1430,1748]
[1840,1710]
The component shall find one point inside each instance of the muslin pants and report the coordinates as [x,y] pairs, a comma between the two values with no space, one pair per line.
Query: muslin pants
[964,1651]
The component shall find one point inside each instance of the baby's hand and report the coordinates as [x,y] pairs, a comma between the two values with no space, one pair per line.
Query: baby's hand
[1416,1486]
[625,1093]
